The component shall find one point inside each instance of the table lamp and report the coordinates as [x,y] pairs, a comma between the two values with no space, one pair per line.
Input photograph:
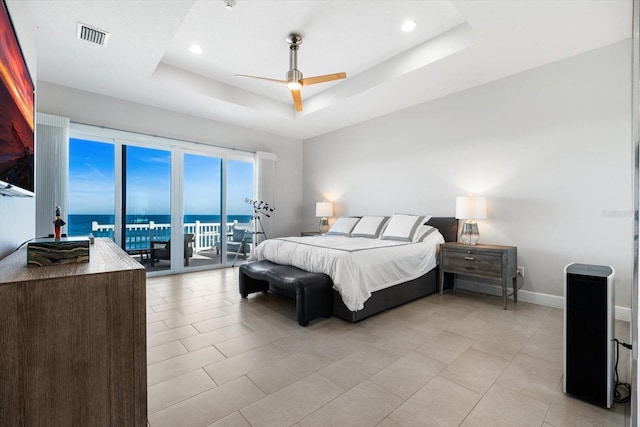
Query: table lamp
[324,210]
[470,208]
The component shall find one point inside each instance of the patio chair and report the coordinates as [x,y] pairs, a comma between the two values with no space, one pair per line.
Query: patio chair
[164,252]
[235,243]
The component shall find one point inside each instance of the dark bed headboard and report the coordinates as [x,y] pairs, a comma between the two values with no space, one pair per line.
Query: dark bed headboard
[448,227]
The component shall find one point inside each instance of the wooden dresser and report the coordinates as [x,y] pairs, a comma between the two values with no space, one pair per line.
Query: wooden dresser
[73,341]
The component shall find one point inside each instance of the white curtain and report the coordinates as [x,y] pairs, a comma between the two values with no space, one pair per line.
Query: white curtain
[635,293]
[52,171]
[266,189]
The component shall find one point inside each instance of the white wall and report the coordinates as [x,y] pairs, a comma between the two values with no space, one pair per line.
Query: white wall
[17,214]
[89,108]
[550,148]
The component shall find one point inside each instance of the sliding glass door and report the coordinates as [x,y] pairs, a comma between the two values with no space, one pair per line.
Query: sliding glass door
[147,205]
[92,186]
[219,233]
[172,205]
[204,230]
[242,227]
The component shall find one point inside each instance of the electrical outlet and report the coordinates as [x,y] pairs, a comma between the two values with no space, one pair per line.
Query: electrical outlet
[521,271]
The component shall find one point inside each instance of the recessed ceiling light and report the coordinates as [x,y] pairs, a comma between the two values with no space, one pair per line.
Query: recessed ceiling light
[194,48]
[229,4]
[408,25]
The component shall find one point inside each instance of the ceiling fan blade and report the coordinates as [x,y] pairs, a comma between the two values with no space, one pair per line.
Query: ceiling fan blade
[321,79]
[297,99]
[262,78]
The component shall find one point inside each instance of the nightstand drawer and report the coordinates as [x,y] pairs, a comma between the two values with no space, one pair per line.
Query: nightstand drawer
[468,262]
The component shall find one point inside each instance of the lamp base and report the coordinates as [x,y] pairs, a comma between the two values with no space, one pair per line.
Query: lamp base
[470,234]
[323,227]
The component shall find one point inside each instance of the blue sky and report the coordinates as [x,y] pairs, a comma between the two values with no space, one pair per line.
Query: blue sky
[91,181]
[91,178]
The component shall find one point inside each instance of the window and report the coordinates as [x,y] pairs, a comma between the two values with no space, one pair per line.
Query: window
[203,209]
[146,192]
[91,188]
[147,184]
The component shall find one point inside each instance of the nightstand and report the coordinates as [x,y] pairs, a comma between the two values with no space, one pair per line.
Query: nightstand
[486,261]
[310,233]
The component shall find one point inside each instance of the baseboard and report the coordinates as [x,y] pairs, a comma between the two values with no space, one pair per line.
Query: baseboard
[621,313]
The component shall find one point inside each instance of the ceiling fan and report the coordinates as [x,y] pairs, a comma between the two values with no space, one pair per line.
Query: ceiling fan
[294,79]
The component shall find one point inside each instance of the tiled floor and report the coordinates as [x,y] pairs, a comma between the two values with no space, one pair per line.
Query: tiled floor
[215,359]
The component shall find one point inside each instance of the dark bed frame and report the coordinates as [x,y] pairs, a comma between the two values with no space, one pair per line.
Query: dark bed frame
[393,296]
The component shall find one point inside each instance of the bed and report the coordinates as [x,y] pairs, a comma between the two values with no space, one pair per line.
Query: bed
[362,289]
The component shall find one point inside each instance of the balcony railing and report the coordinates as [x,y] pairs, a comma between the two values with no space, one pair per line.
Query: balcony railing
[139,236]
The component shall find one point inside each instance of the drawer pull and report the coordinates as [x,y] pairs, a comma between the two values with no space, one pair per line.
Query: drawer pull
[469,258]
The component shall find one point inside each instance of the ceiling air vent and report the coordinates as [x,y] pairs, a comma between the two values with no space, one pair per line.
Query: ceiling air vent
[92,35]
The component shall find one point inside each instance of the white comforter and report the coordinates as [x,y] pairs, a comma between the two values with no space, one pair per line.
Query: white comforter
[358,266]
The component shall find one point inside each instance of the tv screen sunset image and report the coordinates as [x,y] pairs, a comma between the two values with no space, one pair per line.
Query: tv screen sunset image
[16,111]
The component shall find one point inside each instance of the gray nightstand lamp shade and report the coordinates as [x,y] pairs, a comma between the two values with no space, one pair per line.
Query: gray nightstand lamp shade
[324,210]
[470,208]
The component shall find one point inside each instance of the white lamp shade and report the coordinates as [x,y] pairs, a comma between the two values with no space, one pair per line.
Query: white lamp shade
[471,207]
[324,209]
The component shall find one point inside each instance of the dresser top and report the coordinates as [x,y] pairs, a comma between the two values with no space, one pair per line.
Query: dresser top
[105,257]
[458,245]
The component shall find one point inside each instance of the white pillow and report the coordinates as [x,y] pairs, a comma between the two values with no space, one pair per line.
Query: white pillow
[402,227]
[422,232]
[343,226]
[369,226]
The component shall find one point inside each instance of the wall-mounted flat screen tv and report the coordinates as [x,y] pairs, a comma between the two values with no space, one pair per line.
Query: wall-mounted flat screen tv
[16,114]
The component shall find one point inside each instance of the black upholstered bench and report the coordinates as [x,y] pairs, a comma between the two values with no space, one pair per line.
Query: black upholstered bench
[312,291]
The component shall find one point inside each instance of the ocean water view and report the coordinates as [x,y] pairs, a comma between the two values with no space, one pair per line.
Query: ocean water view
[80,225]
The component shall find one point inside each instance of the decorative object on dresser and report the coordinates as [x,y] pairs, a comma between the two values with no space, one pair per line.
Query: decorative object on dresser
[50,251]
[485,261]
[58,222]
[323,211]
[470,208]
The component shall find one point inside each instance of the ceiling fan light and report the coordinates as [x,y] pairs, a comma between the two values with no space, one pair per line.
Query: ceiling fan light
[408,26]
[294,85]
